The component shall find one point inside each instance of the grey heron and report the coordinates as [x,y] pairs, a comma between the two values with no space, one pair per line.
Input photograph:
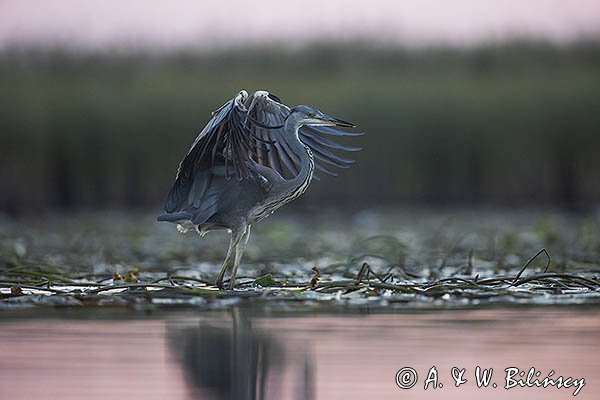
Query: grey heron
[255,155]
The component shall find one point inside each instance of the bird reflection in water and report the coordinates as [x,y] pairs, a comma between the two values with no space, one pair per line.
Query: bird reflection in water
[235,361]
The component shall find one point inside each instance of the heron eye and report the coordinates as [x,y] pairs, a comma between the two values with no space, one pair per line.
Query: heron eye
[311,115]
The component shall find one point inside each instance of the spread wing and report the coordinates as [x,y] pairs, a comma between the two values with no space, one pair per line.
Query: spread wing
[271,141]
[252,128]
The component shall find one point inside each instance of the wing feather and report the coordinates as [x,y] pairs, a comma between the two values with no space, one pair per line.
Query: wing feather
[317,148]
[313,133]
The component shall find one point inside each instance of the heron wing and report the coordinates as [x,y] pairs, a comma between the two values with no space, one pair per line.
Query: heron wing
[244,129]
[315,137]
[267,114]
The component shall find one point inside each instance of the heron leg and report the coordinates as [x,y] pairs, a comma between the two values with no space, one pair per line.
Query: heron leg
[239,251]
[236,235]
[225,266]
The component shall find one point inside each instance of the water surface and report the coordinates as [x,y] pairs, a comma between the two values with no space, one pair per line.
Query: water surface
[242,354]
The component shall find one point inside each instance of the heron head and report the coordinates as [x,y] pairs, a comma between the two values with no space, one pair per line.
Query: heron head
[305,115]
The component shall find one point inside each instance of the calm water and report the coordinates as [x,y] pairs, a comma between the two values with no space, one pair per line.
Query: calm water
[242,355]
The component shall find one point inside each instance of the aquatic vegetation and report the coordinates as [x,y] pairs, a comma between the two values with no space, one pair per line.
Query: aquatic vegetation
[383,260]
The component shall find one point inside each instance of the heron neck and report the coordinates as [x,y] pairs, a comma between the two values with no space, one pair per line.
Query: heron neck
[302,153]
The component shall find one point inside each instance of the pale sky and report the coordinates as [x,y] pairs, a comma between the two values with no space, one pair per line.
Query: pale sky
[219,24]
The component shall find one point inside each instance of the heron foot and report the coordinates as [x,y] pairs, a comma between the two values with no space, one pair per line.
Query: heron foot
[232,284]
[219,284]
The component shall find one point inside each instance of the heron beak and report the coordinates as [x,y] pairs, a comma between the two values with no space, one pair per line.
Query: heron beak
[340,122]
[343,123]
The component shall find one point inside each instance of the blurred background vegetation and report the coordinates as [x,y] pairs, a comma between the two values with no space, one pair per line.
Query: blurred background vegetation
[511,124]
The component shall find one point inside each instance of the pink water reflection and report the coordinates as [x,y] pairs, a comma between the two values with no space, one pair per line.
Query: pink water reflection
[350,357]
